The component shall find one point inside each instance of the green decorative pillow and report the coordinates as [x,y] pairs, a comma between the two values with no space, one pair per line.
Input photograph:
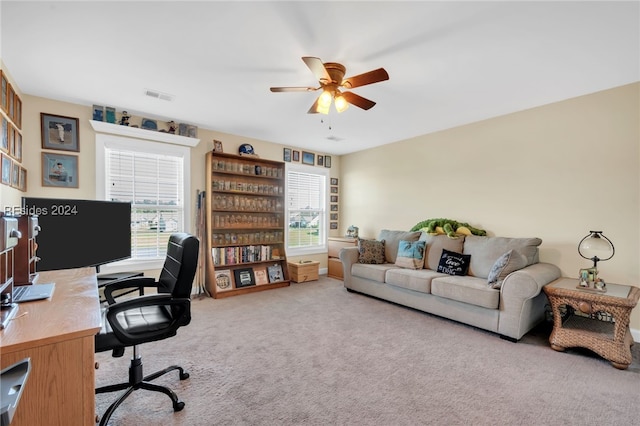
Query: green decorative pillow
[453,263]
[509,262]
[411,254]
[371,251]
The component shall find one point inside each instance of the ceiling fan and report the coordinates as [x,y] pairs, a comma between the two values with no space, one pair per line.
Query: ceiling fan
[331,78]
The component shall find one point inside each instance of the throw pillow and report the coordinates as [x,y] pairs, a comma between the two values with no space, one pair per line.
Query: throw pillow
[411,254]
[509,262]
[392,239]
[371,251]
[453,263]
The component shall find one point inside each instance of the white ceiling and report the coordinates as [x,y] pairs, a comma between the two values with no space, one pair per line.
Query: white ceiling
[450,63]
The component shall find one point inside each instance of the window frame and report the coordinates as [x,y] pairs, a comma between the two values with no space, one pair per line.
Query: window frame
[104,141]
[322,246]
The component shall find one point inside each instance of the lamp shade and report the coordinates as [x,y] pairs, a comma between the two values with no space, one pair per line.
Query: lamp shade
[596,247]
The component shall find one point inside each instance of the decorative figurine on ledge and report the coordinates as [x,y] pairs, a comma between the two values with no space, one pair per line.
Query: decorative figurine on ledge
[352,231]
[124,120]
[172,127]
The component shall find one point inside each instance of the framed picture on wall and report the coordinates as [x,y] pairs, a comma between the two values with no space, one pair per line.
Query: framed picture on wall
[296,156]
[334,216]
[334,181]
[334,198]
[334,225]
[286,154]
[5,92]
[5,169]
[308,158]
[22,179]
[59,170]
[327,161]
[320,160]
[59,132]
[4,139]
[15,174]
[17,112]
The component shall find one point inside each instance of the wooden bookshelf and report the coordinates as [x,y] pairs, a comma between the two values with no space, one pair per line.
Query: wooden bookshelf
[244,219]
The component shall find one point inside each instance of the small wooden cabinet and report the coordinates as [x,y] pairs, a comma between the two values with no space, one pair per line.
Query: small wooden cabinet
[244,216]
[301,272]
[335,245]
[25,251]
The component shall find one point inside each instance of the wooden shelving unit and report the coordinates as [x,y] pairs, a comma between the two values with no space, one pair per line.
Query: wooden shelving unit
[25,252]
[244,217]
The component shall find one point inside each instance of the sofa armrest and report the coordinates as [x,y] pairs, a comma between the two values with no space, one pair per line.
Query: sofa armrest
[348,256]
[522,301]
[528,282]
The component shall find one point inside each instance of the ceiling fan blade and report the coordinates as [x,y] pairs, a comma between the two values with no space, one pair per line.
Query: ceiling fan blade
[293,89]
[317,68]
[358,100]
[370,77]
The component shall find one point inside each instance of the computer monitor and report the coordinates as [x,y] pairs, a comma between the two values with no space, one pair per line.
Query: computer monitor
[79,233]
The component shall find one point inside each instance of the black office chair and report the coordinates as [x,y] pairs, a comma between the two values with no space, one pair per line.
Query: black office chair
[150,317]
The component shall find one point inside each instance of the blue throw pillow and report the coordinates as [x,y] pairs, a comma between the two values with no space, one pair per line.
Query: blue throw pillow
[453,263]
[411,254]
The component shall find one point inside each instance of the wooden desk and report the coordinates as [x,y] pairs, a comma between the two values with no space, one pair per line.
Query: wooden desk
[58,336]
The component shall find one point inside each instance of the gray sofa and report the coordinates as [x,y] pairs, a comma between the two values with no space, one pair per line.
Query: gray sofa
[510,305]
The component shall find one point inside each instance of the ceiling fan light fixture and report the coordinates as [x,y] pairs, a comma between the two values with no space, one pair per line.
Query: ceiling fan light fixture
[325,99]
[323,109]
[341,103]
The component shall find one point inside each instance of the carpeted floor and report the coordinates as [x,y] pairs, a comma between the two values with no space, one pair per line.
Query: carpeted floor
[315,354]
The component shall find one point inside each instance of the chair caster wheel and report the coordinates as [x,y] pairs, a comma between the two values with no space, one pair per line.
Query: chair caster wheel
[178,406]
[184,376]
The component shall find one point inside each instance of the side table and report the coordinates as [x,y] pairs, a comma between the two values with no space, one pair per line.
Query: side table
[335,245]
[610,340]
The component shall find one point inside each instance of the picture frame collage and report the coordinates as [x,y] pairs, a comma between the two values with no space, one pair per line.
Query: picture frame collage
[60,136]
[333,205]
[305,157]
[12,172]
[230,279]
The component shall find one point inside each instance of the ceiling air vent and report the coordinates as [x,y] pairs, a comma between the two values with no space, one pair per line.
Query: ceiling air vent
[159,95]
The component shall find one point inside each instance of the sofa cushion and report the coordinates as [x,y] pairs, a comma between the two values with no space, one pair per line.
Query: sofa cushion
[392,239]
[410,254]
[412,279]
[472,290]
[485,251]
[370,251]
[435,245]
[371,272]
[453,263]
[507,263]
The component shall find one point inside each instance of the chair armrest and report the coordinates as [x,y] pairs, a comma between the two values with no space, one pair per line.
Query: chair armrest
[134,282]
[180,316]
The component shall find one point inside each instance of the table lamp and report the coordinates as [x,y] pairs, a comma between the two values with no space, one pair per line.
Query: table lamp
[596,247]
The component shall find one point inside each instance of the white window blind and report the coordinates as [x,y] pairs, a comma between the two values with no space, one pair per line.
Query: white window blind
[306,210]
[153,183]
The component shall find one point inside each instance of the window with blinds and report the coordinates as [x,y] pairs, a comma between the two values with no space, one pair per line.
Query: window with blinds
[153,183]
[306,209]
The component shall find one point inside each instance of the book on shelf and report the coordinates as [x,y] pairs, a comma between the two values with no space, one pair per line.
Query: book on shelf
[244,277]
[224,280]
[275,273]
[261,276]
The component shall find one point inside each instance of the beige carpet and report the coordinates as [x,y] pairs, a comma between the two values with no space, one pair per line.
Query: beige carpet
[315,354]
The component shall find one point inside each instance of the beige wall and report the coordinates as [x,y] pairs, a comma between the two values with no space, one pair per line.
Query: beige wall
[553,172]
[33,106]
